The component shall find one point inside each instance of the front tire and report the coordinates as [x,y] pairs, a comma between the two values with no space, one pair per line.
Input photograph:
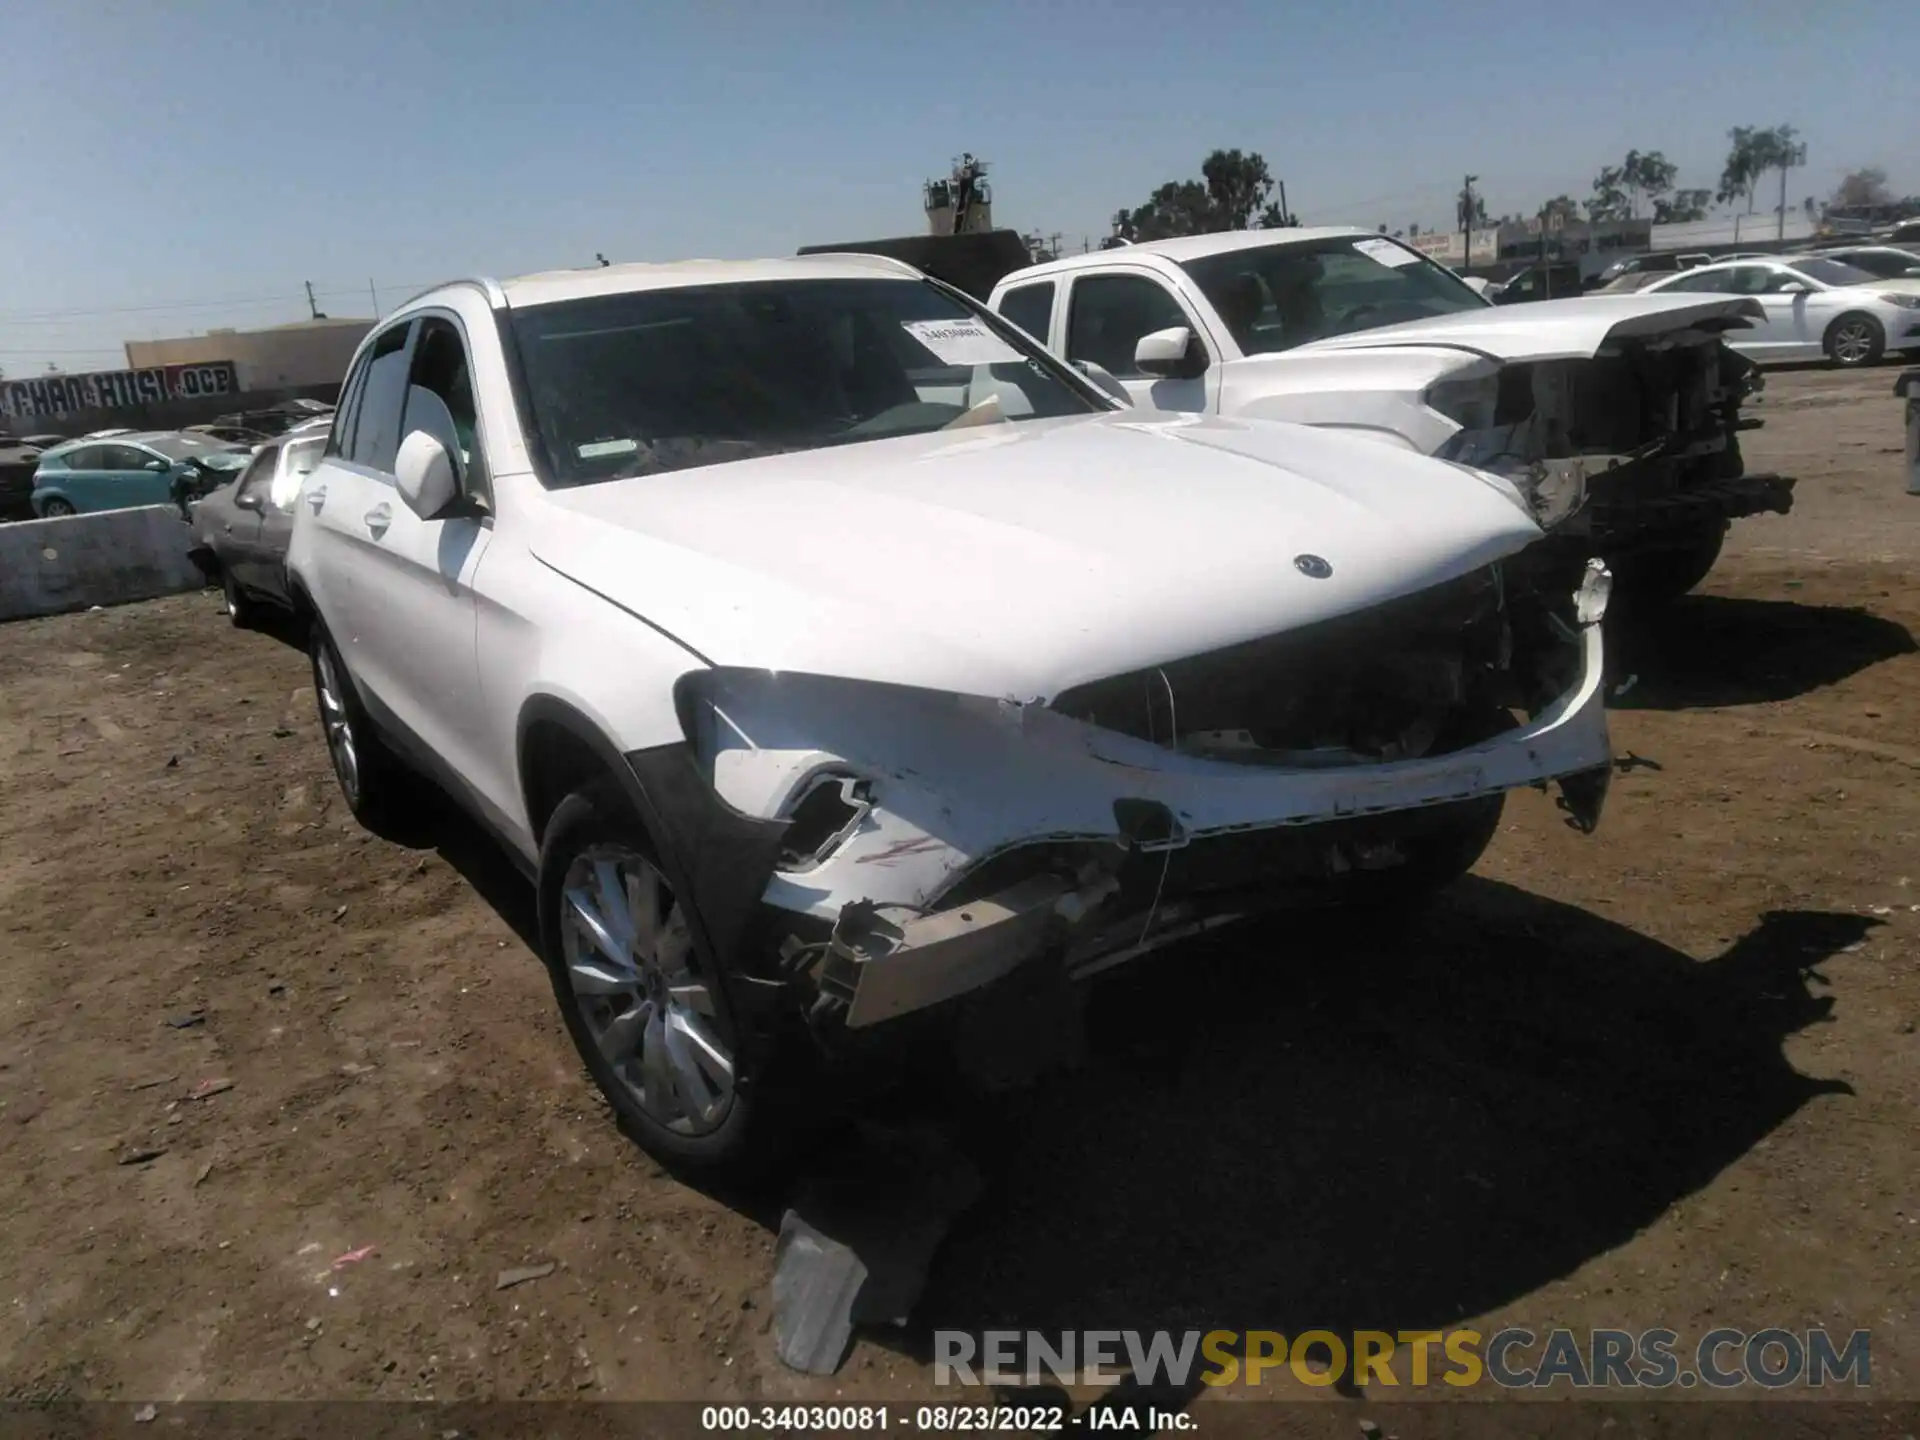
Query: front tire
[1855,340]
[1438,857]
[1661,574]
[56,508]
[655,1031]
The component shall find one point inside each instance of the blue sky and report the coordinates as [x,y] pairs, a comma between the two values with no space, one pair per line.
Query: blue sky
[172,168]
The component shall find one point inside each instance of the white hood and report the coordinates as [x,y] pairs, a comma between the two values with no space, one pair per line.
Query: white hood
[1022,559]
[1573,329]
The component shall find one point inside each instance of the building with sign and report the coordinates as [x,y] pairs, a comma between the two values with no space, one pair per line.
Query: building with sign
[1449,247]
[57,396]
[282,357]
[1559,238]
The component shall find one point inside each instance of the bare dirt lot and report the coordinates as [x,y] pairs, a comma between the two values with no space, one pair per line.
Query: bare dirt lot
[1666,1075]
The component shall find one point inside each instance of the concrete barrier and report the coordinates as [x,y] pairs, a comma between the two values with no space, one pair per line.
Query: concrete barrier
[107,558]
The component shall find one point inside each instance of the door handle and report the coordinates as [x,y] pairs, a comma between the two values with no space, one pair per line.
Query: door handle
[378,519]
[316,498]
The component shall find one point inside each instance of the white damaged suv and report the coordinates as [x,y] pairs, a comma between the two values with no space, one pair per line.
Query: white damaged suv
[827,652]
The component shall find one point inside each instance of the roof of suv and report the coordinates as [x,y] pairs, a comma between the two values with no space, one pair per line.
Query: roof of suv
[554,285]
[1196,247]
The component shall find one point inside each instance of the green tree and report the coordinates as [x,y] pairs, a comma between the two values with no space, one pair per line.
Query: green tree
[1683,207]
[1866,186]
[1469,210]
[1738,175]
[1753,151]
[1232,194]
[1619,191]
[1565,206]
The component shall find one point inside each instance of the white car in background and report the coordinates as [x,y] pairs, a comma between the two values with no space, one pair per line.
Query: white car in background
[1814,306]
[1617,416]
[826,651]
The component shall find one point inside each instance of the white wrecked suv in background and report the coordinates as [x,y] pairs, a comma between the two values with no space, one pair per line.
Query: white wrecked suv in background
[1617,416]
[826,652]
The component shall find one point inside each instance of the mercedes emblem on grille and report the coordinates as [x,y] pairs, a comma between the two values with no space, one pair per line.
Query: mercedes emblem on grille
[1312,566]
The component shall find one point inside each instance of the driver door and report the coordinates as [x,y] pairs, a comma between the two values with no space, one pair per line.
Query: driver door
[1796,319]
[408,615]
[1106,317]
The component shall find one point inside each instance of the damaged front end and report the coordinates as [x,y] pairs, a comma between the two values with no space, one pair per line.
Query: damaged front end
[1632,453]
[934,842]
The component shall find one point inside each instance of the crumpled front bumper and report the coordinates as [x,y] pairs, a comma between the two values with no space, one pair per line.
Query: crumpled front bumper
[951,782]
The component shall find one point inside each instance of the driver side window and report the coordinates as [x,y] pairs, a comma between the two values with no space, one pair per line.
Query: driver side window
[1107,315]
[126,458]
[440,399]
[254,479]
[1701,282]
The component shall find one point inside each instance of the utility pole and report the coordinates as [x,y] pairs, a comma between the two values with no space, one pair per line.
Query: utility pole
[1781,233]
[1286,215]
[1466,220]
[373,295]
[312,307]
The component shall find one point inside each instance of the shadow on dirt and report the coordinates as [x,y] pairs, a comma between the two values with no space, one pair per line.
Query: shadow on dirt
[1712,650]
[1391,1128]
[434,822]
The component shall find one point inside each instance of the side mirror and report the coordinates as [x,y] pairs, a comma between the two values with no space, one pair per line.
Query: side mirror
[424,473]
[1171,354]
[1795,287]
[1105,379]
[247,501]
[158,467]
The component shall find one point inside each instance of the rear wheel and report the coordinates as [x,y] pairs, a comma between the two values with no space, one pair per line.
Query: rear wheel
[1855,339]
[653,1026]
[241,609]
[372,779]
[54,508]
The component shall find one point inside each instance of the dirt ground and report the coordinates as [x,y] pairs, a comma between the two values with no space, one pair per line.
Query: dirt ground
[1665,1075]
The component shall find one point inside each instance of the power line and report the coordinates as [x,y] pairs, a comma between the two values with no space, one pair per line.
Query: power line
[292,296]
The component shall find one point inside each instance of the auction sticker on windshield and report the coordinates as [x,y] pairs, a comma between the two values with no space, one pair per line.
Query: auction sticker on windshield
[962,342]
[1386,252]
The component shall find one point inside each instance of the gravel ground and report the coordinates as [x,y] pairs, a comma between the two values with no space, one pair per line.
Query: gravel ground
[1665,1075]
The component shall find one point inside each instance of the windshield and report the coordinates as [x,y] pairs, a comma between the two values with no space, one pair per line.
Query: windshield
[648,381]
[1275,297]
[1832,272]
[1887,264]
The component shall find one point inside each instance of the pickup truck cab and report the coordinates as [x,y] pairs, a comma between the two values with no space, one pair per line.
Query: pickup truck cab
[1615,415]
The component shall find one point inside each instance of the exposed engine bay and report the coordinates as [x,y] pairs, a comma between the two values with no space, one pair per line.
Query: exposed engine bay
[1373,748]
[1635,448]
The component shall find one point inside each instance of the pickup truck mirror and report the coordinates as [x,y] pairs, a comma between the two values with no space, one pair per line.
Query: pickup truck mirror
[1171,354]
[1105,379]
[424,473]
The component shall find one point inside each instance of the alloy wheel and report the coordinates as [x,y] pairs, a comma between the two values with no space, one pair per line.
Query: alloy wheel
[1853,342]
[629,960]
[338,724]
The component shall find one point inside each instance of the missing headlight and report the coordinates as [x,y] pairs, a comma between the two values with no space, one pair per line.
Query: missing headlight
[827,812]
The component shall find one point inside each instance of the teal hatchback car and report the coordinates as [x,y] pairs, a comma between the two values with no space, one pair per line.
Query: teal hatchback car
[141,469]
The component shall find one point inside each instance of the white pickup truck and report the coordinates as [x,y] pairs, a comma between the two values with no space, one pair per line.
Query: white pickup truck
[1616,415]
